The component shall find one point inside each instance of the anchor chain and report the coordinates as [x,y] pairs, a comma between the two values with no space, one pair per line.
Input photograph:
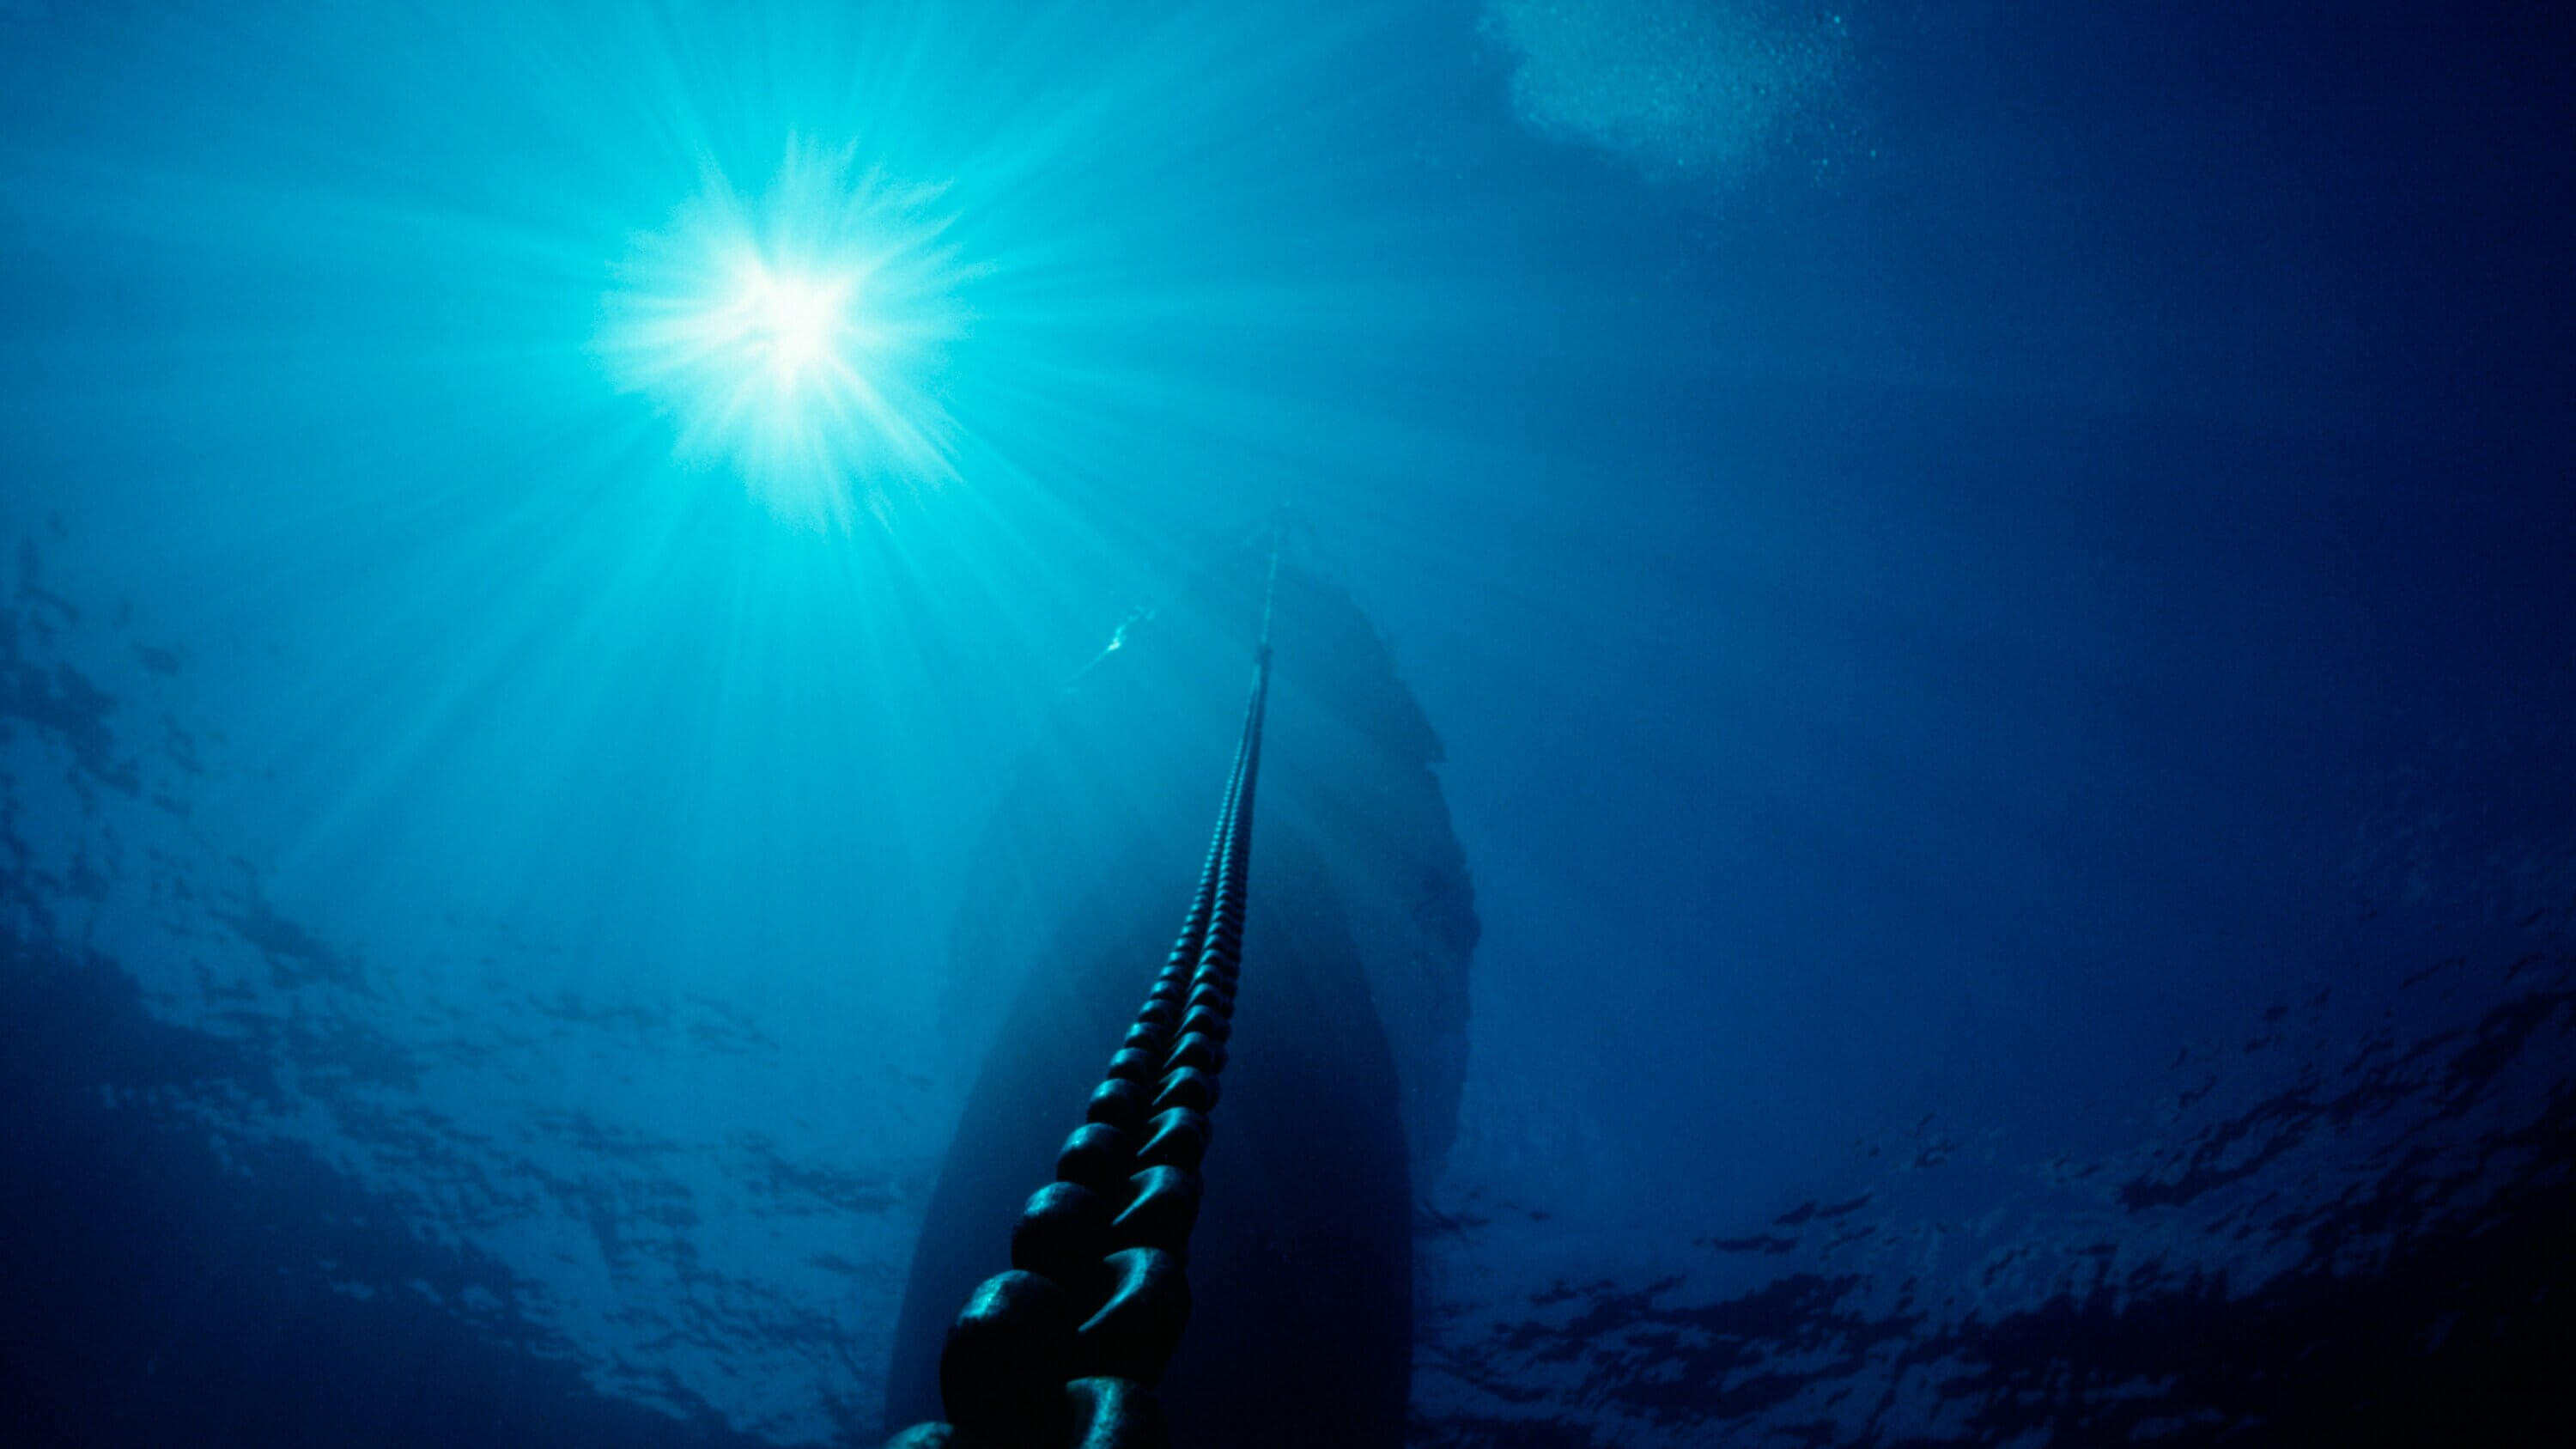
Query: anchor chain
[1063,1350]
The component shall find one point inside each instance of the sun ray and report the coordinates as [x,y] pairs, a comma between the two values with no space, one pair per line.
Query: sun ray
[797,337]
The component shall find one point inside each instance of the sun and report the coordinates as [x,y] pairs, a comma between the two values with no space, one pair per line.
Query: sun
[797,320]
[797,336]
[793,325]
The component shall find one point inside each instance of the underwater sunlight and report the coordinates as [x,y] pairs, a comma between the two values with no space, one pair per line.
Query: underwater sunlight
[1916,731]
[796,336]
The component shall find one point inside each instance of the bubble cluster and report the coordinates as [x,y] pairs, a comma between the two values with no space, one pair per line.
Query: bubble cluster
[1694,90]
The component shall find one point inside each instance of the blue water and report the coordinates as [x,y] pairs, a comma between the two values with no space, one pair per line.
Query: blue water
[1994,585]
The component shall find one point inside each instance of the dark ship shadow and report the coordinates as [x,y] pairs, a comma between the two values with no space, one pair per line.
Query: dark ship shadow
[1348,1035]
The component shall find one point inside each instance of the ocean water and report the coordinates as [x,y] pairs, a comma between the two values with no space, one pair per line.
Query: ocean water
[1993,587]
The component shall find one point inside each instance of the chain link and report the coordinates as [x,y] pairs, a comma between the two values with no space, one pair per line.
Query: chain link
[1063,1351]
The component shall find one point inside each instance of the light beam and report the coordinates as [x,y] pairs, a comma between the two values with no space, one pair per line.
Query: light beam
[797,337]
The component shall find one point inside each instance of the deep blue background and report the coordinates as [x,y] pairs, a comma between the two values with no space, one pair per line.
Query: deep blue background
[2062,550]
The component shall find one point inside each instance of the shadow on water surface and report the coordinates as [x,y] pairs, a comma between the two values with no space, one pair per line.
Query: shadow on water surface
[167,1287]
